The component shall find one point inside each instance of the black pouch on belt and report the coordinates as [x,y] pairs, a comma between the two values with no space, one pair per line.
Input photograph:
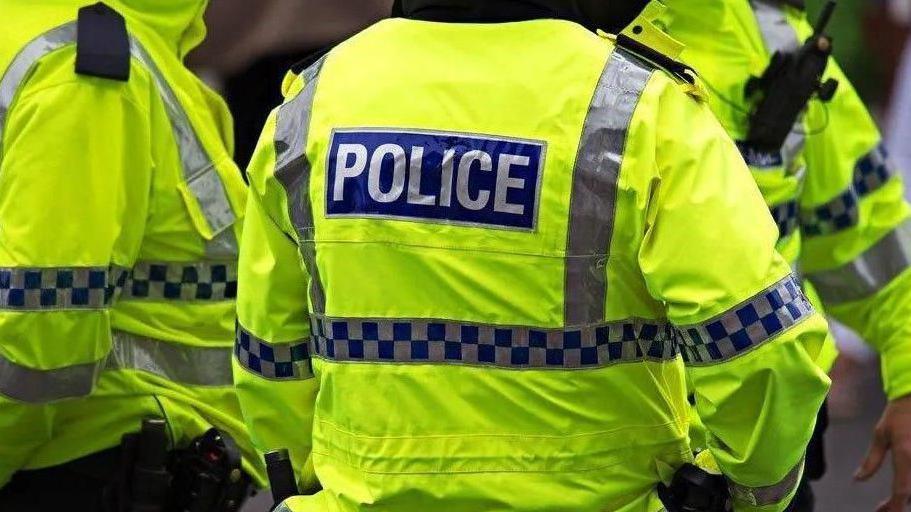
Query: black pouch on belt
[208,475]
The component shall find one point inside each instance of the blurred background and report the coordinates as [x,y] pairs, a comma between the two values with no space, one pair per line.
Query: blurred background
[251,45]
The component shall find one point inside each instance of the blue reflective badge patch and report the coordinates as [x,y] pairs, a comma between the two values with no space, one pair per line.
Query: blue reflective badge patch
[454,178]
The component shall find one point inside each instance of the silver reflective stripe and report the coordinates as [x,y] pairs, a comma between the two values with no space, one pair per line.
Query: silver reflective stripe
[38,289]
[770,494]
[178,363]
[199,171]
[868,273]
[429,341]
[593,200]
[278,361]
[40,386]
[21,65]
[746,326]
[292,169]
[182,364]
[777,33]
[283,507]
[779,36]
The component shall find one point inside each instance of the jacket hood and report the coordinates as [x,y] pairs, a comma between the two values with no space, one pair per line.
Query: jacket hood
[178,23]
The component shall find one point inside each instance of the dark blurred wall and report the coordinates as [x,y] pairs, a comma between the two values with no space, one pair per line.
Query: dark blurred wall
[252,44]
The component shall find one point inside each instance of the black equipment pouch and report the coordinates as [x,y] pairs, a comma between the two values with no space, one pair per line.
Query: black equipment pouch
[204,477]
[281,476]
[208,476]
[786,86]
[102,43]
[695,490]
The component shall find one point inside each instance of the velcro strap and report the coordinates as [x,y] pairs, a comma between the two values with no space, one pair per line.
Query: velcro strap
[102,43]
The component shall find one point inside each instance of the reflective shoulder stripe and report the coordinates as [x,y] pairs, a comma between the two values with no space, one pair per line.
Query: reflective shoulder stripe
[34,386]
[278,361]
[594,189]
[181,364]
[770,494]
[198,169]
[22,63]
[292,170]
[868,273]
[29,289]
[746,326]
[871,172]
[777,33]
[431,341]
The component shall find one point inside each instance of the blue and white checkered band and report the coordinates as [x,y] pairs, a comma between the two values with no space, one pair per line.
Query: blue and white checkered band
[746,326]
[786,218]
[279,361]
[449,342]
[203,281]
[760,159]
[871,172]
[440,177]
[60,288]
[38,288]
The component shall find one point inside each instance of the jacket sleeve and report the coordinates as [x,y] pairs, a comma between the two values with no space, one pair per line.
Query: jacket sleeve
[709,255]
[75,173]
[272,367]
[856,247]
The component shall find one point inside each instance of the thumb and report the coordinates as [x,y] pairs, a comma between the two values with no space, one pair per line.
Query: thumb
[874,459]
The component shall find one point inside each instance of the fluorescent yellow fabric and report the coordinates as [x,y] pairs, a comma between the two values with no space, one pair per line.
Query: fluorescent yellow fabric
[726,46]
[90,176]
[686,247]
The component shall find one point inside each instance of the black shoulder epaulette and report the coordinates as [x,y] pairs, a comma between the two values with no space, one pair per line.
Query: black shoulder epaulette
[676,68]
[102,43]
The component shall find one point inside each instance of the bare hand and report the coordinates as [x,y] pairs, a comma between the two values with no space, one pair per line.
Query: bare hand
[893,432]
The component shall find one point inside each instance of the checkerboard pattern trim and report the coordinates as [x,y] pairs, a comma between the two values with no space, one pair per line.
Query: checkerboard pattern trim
[448,342]
[278,361]
[23,288]
[871,172]
[746,326]
[786,218]
[60,288]
[182,281]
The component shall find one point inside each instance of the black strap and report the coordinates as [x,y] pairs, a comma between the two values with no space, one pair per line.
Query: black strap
[676,68]
[102,43]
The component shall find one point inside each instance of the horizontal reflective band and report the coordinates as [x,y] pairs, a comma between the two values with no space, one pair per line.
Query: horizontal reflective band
[785,215]
[770,494]
[281,361]
[40,386]
[182,281]
[447,342]
[181,364]
[60,288]
[871,172]
[747,326]
[868,273]
[198,169]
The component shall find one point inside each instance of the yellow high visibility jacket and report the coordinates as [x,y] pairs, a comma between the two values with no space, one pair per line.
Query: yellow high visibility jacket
[832,189]
[474,261]
[119,221]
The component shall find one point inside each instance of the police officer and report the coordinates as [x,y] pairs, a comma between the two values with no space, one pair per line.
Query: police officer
[481,243]
[119,220]
[834,193]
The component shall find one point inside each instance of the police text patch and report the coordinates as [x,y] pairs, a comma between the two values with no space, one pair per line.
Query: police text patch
[442,177]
